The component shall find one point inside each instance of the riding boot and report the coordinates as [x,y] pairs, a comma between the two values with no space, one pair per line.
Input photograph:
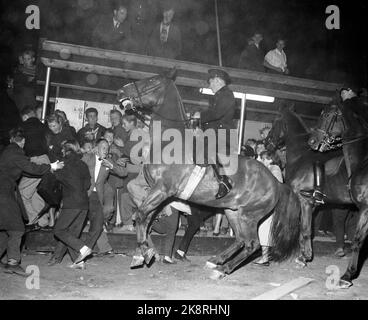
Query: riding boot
[224,182]
[316,194]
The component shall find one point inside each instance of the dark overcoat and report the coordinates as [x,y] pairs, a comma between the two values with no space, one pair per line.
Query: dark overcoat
[13,163]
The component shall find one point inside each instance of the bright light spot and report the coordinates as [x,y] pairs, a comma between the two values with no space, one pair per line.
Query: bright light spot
[65,53]
[240,95]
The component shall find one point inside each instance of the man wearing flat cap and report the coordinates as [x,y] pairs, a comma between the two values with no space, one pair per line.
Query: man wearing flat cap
[220,116]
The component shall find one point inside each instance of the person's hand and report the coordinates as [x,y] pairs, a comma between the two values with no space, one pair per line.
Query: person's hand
[119,142]
[122,161]
[57,165]
[107,163]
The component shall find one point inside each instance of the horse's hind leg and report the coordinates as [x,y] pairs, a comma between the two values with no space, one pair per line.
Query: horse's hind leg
[360,234]
[246,229]
[244,226]
[225,255]
[305,233]
[248,232]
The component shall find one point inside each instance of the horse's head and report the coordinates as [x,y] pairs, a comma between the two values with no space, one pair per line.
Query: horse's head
[328,132]
[276,137]
[143,94]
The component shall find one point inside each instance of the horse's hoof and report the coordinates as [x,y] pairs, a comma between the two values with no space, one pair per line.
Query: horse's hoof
[300,262]
[210,265]
[344,284]
[217,275]
[149,254]
[137,261]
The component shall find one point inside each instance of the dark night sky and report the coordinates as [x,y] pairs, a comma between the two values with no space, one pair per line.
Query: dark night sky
[312,50]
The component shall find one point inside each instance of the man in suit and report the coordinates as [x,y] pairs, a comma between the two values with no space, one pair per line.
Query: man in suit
[165,40]
[113,32]
[100,168]
[252,56]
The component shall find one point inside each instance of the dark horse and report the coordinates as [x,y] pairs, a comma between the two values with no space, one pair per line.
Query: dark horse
[290,130]
[338,123]
[255,195]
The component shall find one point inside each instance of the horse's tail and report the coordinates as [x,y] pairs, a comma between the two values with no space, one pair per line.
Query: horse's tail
[285,227]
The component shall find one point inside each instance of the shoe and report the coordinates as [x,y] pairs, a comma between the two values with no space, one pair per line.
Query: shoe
[340,253]
[82,256]
[262,263]
[168,260]
[179,257]
[15,269]
[104,254]
[80,265]
[216,234]
[224,187]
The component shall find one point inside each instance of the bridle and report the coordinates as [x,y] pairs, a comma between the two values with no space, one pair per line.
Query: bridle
[138,100]
[332,142]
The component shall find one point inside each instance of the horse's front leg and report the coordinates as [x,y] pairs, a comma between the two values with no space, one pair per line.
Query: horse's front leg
[144,216]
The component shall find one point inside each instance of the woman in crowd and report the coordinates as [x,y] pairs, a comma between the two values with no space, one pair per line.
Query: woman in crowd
[13,163]
[66,123]
[270,162]
[76,180]
[59,134]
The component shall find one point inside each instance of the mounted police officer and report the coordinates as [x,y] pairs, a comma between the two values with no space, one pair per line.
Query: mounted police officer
[350,100]
[220,116]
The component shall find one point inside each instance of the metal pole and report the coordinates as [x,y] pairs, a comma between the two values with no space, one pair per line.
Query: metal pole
[46,93]
[241,125]
[218,35]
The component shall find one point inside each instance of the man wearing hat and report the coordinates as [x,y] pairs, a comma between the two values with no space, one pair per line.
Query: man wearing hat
[220,116]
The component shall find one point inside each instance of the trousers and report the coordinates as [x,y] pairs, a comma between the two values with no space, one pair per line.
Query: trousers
[68,229]
[10,242]
[33,202]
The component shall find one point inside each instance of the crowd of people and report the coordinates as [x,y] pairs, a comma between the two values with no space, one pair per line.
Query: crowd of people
[117,32]
[97,182]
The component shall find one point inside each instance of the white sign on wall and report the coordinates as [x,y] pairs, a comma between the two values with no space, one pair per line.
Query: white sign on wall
[75,110]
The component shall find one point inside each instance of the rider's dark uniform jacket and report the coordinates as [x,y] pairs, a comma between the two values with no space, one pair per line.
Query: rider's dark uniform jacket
[221,112]
[360,110]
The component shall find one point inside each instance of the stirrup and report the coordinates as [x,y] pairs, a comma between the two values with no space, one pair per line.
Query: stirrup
[224,189]
[317,195]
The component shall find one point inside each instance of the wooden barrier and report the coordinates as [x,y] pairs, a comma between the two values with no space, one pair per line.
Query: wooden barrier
[75,58]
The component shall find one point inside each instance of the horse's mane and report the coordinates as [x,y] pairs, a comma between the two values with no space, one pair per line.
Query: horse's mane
[299,125]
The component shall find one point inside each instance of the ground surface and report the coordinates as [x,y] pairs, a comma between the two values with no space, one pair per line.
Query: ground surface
[111,278]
